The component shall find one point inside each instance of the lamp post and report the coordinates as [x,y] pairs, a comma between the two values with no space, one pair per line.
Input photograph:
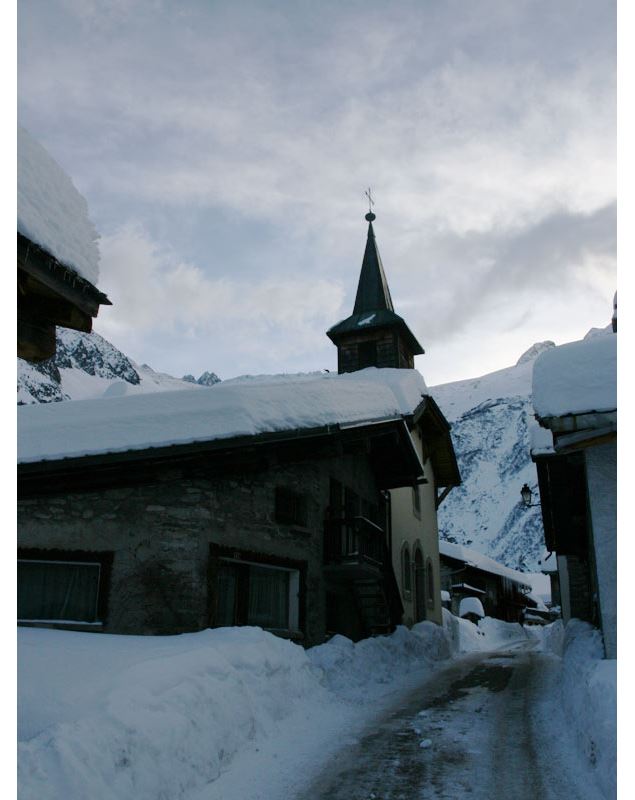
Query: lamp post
[527,495]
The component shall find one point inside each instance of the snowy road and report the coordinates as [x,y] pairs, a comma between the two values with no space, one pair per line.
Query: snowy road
[479,729]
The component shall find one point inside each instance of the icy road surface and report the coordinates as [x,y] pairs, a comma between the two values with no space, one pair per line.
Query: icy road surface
[482,729]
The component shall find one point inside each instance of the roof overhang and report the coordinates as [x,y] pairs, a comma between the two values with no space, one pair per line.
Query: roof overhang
[387,443]
[578,431]
[50,294]
[374,320]
[435,432]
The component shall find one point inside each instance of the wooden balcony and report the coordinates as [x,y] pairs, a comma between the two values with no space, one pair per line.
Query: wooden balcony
[354,548]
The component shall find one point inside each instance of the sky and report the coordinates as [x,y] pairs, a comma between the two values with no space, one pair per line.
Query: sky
[224,149]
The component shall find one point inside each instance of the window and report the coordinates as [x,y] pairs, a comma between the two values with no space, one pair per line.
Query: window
[263,595]
[419,570]
[406,569]
[367,354]
[429,583]
[416,501]
[290,507]
[70,588]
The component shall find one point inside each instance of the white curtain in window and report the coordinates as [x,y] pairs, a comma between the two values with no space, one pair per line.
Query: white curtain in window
[268,597]
[57,591]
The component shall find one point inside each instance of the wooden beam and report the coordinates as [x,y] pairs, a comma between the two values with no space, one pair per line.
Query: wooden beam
[48,309]
[41,266]
[441,497]
[36,341]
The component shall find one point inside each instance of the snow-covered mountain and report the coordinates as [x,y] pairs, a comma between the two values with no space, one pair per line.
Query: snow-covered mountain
[87,366]
[490,419]
[206,379]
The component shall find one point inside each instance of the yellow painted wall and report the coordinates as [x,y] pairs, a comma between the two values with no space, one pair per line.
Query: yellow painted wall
[415,531]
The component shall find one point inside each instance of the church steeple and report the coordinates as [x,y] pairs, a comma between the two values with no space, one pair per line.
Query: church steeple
[373,336]
[373,293]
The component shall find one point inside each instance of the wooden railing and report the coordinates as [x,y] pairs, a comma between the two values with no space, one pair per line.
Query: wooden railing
[353,540]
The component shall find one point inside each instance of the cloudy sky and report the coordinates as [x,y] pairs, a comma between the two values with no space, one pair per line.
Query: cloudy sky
[224,149]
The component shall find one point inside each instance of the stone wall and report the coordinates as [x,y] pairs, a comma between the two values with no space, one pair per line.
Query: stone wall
[160,532]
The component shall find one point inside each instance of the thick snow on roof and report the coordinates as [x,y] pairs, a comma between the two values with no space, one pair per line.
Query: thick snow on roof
[541,439]
[52,213]
[576,378]
[480,561]
[226,410]
[471,605]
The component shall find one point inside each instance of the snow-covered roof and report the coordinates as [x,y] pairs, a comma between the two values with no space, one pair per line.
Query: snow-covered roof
[227,410]
[471,605]
[466,587]
[541,439]
[478,560]
[52,213]
[576,378]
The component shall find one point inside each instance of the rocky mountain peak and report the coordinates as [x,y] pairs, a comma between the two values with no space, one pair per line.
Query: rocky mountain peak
[87,366]
[206,379]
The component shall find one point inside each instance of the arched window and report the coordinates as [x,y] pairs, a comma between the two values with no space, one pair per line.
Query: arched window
[429,583]
[406,569]
[420,599]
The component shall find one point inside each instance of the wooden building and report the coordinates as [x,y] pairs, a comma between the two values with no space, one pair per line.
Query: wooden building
[503,592]
[50,294]
[57,255]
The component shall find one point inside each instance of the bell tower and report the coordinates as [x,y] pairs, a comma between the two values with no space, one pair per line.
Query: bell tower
[373,336]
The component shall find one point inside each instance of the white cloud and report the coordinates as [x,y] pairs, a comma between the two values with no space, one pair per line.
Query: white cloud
[161,300]
[486,130]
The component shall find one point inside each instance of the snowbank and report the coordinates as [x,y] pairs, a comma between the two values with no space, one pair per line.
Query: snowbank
[353,670]
[588,694]
[52,213]
[226,410]
[105,716]
[576,378]
[489,634]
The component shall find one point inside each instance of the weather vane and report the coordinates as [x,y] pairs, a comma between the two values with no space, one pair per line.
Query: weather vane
[370,216]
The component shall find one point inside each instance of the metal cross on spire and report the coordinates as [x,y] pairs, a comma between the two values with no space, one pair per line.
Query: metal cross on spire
[370,216]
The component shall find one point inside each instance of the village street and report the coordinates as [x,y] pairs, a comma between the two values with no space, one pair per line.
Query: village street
[483,728]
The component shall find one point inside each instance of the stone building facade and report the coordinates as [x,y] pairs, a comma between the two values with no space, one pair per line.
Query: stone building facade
[227,536]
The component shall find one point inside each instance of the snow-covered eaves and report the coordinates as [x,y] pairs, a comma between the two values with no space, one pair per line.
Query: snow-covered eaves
[473,559]
[51,432]
[576,381]
[466,587]
[52,213]
[541,439]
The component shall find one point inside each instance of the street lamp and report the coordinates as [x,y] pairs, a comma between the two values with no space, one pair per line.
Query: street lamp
[527,495]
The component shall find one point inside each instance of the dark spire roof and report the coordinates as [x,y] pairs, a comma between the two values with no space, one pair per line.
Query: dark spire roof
[373,293]
[373,304]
